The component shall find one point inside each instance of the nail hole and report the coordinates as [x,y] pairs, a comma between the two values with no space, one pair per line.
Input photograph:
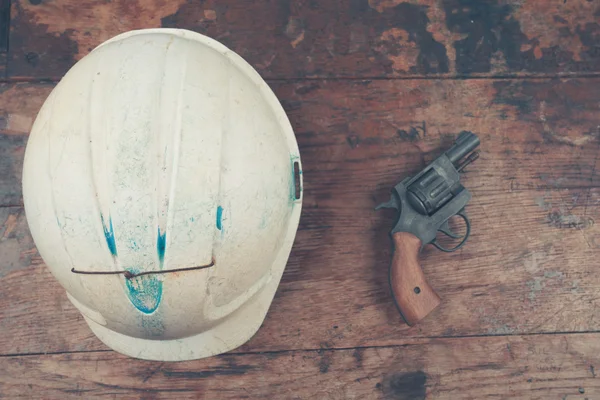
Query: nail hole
[298,187]
[417,290]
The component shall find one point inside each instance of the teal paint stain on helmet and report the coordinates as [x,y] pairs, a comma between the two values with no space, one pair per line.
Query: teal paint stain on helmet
[144,292]
[109,235]
[220,218]
[161,245]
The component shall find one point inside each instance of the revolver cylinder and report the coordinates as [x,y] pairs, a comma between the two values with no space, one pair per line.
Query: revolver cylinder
[430,192]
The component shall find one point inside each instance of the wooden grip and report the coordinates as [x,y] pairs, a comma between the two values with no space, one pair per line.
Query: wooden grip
[413,295]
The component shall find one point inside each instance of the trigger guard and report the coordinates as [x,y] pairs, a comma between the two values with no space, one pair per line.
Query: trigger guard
[445,229]
[465,237]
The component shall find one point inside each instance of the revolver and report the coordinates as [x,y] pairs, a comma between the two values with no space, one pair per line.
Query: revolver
[426,202]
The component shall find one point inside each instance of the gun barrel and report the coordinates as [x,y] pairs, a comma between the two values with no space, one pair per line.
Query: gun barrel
[465,143]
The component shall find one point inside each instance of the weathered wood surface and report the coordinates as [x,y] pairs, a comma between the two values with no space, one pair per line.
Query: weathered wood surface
[19,105]
[4,26]
[359,38]
[529,267]
[536,134]
[531,367]
[4,34]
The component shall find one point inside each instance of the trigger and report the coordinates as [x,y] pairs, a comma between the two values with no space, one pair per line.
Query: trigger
[445,229]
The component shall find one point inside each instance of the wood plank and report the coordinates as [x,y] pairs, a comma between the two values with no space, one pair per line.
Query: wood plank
[4,34]
[530,266]
[12,151]
[521,367]
[4,25]
[536,134]
[19,105]
[298,39]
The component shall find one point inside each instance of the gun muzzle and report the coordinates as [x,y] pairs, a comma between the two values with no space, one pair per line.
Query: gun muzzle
[465,143]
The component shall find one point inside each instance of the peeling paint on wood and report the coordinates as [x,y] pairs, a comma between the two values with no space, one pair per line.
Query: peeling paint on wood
[529,268]
[362,38]
[47,38]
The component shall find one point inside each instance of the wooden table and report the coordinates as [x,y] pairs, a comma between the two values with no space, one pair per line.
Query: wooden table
[374,90]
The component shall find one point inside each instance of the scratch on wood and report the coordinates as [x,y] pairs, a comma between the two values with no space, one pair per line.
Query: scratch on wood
[510,353]
[151,374]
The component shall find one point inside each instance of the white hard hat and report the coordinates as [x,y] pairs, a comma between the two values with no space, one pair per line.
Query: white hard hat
[163,150]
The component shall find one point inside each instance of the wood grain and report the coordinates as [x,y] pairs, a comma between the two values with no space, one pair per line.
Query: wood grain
[412,294]
[526,367]
[520,316]
[536,134]
[16,245]
[528,267]
[4,34]
[299,39]
[4,25]
[19,105]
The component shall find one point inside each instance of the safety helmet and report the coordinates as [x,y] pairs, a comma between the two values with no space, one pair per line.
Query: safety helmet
[163,189]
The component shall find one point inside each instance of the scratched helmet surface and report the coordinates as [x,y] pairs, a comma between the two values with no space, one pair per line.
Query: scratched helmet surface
[163,150]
